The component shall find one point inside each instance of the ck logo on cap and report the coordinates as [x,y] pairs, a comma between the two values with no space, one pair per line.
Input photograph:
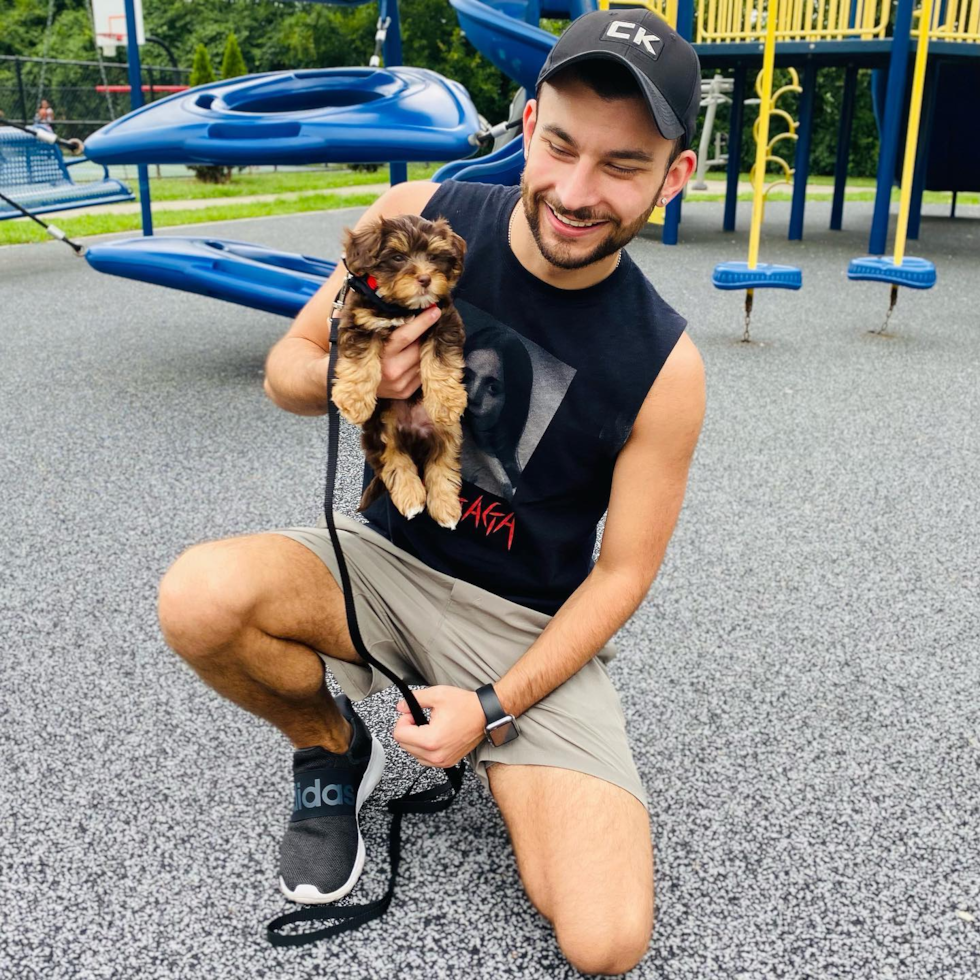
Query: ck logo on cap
[623,30]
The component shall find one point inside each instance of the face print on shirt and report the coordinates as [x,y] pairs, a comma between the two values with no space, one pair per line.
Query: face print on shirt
[514,388]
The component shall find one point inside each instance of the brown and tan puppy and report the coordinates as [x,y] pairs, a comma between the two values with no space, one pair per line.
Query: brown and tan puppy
[408,263]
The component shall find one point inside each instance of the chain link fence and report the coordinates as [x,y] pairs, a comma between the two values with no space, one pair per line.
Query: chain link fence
[84,95]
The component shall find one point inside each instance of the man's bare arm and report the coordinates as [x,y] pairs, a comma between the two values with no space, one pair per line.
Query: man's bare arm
[649,483]
[296,366]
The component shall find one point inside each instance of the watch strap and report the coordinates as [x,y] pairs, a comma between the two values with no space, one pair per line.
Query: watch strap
[492,707]
[494,712]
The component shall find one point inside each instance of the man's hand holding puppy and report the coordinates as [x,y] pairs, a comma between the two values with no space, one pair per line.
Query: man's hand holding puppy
[400,374]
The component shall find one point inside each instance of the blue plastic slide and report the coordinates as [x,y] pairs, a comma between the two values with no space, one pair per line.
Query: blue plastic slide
[328,115]
[253,275]
[250,275]
[503,166]
[518,49]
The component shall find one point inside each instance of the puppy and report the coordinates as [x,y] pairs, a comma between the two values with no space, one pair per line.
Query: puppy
[402,266]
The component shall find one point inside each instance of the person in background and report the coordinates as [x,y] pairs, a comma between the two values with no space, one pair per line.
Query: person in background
[44,117]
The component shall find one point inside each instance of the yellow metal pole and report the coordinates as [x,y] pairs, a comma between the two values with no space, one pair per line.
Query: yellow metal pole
[762,143]
[912,136]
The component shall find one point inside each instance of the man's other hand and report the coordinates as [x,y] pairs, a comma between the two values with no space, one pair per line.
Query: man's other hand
[455,728]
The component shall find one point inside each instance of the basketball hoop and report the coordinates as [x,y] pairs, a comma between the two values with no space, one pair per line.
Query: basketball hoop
[110,25]
[109,43]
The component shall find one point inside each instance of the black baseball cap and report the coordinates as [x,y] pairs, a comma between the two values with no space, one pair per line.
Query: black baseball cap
[664,65]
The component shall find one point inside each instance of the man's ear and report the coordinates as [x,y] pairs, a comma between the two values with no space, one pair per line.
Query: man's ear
[362,246]
[679,174]
[530,119]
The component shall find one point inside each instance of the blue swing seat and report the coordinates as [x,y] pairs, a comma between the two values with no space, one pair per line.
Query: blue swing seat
[237,272]
[35,175]
[738,275]
[912,272]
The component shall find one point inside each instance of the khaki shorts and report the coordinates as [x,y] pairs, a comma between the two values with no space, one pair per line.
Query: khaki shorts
[429,629]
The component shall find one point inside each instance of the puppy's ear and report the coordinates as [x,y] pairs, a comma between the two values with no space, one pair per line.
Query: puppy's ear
[456,242]
[362,246]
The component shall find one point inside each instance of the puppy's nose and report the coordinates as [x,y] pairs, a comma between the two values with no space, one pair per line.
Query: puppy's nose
[424,280]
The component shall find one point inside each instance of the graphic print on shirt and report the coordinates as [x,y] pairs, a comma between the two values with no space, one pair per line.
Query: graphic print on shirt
[513,388]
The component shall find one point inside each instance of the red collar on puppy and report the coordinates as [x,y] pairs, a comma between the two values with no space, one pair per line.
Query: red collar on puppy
[367,286]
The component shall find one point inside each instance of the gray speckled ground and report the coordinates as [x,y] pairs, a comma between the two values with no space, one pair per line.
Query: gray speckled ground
[801,683]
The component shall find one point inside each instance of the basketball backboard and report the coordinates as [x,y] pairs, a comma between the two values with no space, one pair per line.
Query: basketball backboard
[110,24]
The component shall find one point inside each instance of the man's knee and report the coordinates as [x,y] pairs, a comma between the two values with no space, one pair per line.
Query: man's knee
[611,949]
[202,602]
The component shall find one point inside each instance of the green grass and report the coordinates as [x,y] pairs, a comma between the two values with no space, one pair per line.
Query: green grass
[178,188]
[20,231]
[246,184]
[928,197]
[812,179]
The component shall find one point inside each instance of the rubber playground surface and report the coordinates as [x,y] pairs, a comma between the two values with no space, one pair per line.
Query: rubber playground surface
[800,684]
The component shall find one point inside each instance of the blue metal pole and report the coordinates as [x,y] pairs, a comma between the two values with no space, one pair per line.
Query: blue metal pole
[397,172]
[801,161]
[922,150]
[685,29]
[734,148]
[393,39]
[894,103]
[843,147]
[135,101]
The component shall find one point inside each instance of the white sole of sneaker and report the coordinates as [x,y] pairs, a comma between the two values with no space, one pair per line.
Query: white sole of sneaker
[310,894]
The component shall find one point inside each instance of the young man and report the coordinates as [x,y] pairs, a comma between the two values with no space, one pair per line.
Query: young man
[584,394]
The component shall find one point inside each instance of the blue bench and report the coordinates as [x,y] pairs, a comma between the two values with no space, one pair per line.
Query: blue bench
[35,175]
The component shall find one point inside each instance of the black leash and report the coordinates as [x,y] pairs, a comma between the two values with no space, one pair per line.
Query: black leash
[53,230]
[427,801]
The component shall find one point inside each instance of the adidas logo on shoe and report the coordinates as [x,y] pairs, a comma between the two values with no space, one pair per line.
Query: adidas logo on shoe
[313,797]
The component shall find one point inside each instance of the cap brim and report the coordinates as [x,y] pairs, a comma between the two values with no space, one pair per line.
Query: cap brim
[666,119]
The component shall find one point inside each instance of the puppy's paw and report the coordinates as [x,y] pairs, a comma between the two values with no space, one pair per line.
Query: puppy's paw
[409,496]
[446,405]
[444,505]
[356,405]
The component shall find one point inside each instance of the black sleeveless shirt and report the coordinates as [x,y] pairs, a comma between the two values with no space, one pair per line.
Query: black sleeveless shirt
[555,378]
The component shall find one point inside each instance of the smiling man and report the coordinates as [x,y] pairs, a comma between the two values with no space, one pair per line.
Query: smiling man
[585,397]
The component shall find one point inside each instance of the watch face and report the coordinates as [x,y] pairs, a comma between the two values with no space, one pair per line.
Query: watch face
[498,734]
[502,731]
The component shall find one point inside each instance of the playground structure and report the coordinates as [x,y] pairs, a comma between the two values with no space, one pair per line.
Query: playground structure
[400,114]
[729,36]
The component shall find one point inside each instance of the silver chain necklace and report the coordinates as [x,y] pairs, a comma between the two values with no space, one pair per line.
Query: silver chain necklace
[510,233]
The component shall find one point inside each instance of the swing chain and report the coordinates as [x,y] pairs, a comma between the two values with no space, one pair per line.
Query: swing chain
[888,315]
[748,315]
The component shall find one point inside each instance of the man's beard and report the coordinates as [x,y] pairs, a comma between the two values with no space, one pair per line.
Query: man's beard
[617,238]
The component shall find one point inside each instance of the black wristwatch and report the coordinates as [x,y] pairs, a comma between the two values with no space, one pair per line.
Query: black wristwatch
[501,727]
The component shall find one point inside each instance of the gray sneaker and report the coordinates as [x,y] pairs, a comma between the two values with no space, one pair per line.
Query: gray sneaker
[322,852]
